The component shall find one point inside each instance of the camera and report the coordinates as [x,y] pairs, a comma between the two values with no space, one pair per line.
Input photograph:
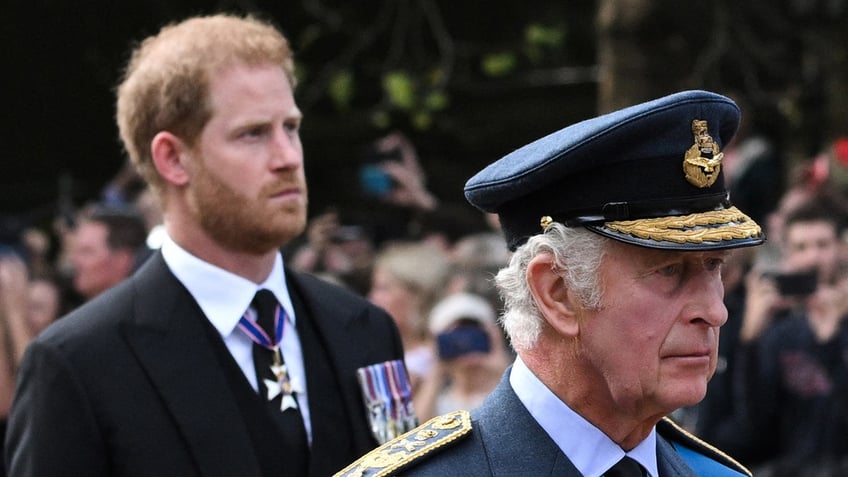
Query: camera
[797,284]
[462,340]
[373,179]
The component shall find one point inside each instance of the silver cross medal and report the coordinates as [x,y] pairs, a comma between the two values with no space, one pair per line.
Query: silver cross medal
[282,385]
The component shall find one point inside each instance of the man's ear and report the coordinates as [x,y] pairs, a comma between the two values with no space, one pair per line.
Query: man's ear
[169,155]
[557,306]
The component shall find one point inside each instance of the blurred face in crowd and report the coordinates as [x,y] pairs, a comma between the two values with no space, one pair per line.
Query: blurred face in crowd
[248,190]
[812,244]
[43,305]
[792,198]
[97,267]
[651,346]
[395,297]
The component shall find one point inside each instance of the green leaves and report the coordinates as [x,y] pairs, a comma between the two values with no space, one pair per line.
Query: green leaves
[399,89]
[539,39]
[499,64]
[416,96]
[341,89]
[539,42]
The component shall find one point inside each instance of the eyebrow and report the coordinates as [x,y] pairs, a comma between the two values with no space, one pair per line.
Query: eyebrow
[652,256]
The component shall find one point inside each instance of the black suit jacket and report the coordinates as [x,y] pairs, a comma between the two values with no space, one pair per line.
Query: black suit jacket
[129,384]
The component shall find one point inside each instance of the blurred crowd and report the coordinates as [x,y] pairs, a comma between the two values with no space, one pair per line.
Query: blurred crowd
[778,401]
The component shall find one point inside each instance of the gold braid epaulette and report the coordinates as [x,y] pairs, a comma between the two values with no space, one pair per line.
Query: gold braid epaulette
[409,447]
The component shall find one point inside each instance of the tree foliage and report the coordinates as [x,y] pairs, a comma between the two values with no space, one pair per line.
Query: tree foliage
[468,81]
[785,60]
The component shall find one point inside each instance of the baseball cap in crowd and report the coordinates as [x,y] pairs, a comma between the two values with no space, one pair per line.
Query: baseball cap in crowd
[460,306]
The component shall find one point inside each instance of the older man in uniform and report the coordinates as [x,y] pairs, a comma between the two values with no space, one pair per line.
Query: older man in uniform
[613,301]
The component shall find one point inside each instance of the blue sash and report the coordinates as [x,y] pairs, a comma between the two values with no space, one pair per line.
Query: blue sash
[703,465]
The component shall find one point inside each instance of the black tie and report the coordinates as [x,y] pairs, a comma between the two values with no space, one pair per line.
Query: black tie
[626,467]
[289,421]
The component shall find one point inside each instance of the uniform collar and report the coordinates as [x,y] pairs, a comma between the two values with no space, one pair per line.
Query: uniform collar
[586,446]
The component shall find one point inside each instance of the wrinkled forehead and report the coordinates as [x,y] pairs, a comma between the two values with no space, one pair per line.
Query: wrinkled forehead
[620,252]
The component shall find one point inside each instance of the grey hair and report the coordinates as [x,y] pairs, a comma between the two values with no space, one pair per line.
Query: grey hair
[577,256]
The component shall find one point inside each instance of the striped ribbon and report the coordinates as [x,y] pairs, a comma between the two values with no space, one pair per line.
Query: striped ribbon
[258,335]
[388,399]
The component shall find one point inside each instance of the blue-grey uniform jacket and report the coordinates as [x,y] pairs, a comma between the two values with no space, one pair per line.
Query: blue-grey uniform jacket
[501,438]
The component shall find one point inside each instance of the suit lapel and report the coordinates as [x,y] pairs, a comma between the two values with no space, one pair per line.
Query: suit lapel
[515,443]
[347,346]
[168,337]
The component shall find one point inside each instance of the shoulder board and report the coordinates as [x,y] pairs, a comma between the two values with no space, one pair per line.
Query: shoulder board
[697,453]
[410,447]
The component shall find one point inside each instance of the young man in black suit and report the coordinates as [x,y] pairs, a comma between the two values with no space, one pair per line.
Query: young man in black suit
[170,373]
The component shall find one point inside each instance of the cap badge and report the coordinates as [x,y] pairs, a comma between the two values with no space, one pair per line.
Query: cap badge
[702,162]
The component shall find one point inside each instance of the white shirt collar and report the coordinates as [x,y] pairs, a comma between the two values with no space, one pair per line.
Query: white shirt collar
[223,296]
[586,446]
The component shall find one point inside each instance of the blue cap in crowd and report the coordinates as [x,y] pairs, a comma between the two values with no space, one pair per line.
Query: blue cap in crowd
[648,175]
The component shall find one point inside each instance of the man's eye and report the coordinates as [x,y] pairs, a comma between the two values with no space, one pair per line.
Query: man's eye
[670,270]
[251,131]
[292,126]
[714,263]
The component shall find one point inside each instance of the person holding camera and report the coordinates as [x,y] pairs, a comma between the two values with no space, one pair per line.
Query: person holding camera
[471,355]
[810,256]
[793,355]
